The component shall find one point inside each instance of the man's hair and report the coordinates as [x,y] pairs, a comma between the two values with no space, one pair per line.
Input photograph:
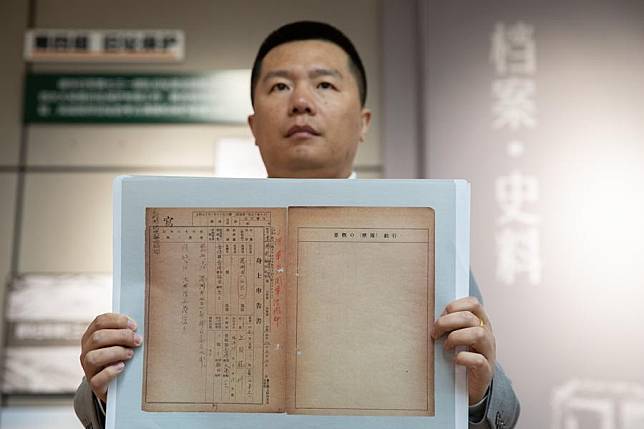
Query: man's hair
[310,30]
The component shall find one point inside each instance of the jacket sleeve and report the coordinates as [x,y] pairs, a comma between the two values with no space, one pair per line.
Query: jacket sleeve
[86,407]
[502,406]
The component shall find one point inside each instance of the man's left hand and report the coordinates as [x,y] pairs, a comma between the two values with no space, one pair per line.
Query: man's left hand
[465,323]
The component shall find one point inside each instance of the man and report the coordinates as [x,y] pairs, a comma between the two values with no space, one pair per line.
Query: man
[308,89]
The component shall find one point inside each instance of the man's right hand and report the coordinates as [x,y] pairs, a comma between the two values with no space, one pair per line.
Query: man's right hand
[106,345]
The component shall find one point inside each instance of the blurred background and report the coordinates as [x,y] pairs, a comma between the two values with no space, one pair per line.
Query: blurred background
[540,105]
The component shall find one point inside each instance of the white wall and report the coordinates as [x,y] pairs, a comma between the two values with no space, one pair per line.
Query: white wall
[571,342]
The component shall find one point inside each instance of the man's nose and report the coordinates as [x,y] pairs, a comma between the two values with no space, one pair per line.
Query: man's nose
[302,102]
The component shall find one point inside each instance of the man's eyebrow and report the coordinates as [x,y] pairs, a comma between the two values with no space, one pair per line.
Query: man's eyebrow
[325,72]
[315,73]
[277,73]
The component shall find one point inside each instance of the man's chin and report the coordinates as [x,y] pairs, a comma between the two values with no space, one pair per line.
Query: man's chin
[308,156]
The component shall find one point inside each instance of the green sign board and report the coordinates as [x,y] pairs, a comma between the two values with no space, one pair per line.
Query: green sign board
[219,97]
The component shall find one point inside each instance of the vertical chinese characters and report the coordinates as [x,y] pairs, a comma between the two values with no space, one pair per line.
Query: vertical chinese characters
[513,55]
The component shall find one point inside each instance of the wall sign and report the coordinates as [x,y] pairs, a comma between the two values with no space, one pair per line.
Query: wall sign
[64,45]
[219,97]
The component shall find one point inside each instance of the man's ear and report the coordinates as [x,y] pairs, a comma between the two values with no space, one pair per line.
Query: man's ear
[365,117]
[251,125]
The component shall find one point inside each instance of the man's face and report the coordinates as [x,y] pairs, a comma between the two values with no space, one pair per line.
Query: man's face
[308,120]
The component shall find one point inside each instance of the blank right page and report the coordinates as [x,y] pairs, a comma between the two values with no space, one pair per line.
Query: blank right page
[360,299]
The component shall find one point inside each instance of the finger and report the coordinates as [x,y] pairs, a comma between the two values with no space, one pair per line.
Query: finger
[109,321]
[479,374]
[96,360]
[474,361]
[111,337]
[102,379]
[453,321]
[469,303]
[478,338]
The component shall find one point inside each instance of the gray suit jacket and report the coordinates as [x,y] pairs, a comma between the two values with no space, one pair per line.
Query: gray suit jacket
[499,411]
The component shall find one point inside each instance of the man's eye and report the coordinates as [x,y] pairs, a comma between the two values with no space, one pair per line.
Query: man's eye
[326,85]
[279,87]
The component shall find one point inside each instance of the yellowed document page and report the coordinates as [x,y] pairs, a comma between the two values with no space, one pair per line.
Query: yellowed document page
[214,327]
[360,301]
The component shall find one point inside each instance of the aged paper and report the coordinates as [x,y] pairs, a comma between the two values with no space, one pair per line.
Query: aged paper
[336,325]
[214,333]
[360,300]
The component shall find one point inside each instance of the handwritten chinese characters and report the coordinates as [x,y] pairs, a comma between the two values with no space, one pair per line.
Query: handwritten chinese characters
[210,290]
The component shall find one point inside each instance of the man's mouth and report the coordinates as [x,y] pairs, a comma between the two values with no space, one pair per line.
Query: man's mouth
[302,131]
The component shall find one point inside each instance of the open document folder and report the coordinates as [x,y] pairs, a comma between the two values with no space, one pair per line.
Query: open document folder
[308,301]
